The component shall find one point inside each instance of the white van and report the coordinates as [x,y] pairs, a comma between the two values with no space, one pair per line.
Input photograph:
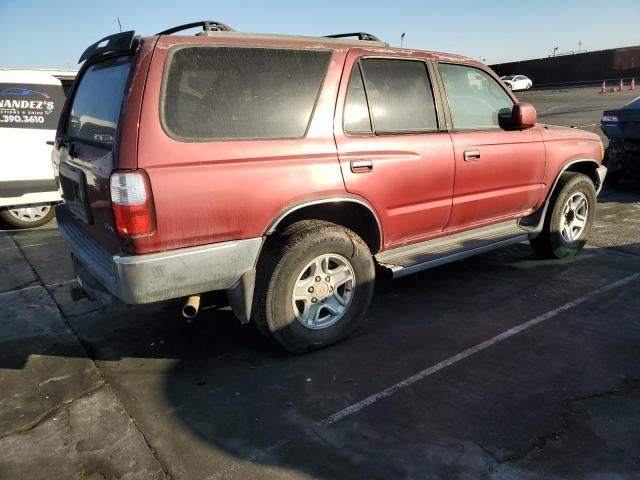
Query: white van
[30,106]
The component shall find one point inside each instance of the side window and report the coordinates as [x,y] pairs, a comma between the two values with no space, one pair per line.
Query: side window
[476,100]
[356,111]
[400,96]
[225,93]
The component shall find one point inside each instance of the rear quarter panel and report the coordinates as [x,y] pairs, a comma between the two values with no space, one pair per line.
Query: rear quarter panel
[207,192]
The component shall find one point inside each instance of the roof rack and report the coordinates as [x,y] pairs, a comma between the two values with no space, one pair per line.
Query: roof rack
[207,26]
[359,35]
[118,42]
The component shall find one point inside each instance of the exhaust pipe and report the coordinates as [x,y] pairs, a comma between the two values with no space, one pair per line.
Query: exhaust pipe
[191,306]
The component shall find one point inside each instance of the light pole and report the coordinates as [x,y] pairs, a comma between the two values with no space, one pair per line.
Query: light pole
[401,39]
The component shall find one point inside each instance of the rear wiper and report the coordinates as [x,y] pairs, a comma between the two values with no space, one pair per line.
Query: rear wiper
[63,140]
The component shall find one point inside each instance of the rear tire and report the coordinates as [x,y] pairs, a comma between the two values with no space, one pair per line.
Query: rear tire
[27,216]
[572,211]
[313,286]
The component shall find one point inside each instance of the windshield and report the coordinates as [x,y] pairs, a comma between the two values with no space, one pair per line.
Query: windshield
[507,77]
[96,104]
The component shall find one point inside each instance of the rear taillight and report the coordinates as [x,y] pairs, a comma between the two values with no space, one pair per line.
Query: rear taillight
[132,203]
[610,119]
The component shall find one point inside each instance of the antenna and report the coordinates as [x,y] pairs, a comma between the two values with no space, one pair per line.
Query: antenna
[119,24]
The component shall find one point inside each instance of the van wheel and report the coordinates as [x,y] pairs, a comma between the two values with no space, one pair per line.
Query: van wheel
[27,216]
[572,211]
[313,287]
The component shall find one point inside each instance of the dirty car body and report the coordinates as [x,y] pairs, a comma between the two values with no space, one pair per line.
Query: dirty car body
[246,162]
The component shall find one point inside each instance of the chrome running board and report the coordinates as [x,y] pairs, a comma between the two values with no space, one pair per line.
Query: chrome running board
[433,253]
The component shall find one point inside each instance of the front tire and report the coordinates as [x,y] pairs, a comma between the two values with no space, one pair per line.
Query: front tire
[572,211]
[27,216]
[313,286]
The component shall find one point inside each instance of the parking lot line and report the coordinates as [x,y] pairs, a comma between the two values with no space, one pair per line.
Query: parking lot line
[356,407]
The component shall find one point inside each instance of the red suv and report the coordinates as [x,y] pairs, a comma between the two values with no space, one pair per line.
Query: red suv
[286,170]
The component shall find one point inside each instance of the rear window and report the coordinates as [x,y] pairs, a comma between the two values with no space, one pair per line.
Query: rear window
[97,101]
[30,106]
[226,93]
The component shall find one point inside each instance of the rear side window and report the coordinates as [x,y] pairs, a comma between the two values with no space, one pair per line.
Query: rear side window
[225,93]
[30,106]
[400,96]
[97,101]
[356,110]
[476,100]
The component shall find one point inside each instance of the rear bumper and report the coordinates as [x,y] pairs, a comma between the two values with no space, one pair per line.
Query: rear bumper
[137,279]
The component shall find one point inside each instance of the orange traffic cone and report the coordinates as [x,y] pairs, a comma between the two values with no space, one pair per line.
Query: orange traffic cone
[621,87]
[633,84]
[603,88]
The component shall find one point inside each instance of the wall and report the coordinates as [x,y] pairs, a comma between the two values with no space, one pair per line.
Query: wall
[581,67]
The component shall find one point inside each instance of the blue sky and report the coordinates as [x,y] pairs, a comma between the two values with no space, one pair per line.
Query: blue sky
[40,33]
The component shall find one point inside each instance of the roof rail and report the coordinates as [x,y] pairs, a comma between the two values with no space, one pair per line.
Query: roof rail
[118,42]
[207,26]
[359,35]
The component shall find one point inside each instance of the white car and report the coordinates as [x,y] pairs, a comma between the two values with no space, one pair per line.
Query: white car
[30,105]
[517,82]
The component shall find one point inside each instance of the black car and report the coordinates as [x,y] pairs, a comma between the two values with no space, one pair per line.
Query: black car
[622,127]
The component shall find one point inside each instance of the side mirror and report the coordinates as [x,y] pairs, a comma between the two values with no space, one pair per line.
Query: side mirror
[523,115]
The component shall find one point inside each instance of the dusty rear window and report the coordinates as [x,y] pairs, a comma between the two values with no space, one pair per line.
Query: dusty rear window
[97,101]
[224,93]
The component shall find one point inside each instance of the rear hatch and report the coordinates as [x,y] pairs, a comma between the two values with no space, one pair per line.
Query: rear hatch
[86,152]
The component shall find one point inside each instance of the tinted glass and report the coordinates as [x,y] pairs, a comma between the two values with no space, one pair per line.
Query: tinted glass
[97,102]
[476,100]
[400,95]
[215,93]
[356,112]
[30,106]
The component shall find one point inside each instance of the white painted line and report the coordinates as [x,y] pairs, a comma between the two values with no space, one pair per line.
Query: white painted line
[356,407]
[19,290]
[54,379]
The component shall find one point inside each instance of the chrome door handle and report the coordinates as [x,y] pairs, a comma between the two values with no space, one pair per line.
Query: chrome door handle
[471,155]
[361,166]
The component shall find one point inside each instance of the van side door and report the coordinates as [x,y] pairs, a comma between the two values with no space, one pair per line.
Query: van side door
[392,143]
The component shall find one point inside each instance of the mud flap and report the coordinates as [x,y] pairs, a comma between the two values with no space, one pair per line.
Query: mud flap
[241,296]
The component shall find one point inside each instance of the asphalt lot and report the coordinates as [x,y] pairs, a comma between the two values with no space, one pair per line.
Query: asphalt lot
[576,107]
[502,366]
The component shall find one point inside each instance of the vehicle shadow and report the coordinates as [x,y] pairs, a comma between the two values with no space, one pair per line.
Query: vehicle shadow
[226,389]
[270,408]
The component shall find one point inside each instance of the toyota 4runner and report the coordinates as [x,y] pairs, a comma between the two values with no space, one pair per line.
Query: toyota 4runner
[287,170]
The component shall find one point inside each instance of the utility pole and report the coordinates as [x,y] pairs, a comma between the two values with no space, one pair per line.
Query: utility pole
[402,40]
[119,24]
